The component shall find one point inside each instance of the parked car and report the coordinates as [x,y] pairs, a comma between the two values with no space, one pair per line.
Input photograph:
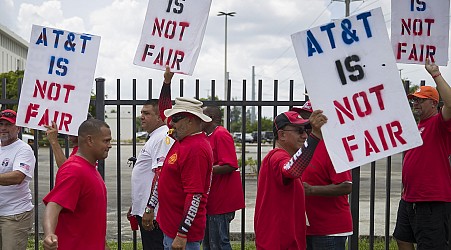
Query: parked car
[141,135]
[266,136]
[237,137]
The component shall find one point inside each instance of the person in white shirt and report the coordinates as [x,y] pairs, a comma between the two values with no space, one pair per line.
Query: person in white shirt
[146,172]
[16,171]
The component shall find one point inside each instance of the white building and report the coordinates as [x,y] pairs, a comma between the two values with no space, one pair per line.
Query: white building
[126,122]
[13,51]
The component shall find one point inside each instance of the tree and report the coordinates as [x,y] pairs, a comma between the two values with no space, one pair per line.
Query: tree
[235,121]
[12,79]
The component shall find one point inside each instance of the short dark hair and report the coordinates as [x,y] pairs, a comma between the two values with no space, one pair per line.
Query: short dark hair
[153,103]
[91,127]
[215,111]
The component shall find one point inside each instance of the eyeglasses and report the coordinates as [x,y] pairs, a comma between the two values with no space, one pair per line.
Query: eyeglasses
[300,130]
[418,100]
[177,117]
[7,114]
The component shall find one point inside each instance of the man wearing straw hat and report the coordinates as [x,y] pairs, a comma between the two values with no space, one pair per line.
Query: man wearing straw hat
[183,185]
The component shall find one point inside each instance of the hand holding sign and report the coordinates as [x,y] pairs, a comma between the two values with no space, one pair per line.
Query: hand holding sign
[317,120]
[168,75]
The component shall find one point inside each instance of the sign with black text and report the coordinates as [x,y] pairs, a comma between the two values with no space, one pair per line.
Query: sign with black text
[350,73]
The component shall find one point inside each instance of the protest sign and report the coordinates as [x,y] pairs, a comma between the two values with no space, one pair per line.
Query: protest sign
[172,35]
[420,30]
[350,73]
[58,79]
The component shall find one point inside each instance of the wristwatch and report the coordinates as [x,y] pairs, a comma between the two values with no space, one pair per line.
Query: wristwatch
[147,210]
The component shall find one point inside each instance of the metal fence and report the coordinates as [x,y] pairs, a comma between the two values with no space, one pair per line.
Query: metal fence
[100,103]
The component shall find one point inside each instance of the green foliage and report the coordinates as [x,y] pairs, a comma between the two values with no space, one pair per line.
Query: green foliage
[266,125]
[12,79]
[250,162]
[138,124]
[413,88]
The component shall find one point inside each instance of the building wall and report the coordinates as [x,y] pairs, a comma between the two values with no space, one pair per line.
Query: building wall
[126,122]
[13,51]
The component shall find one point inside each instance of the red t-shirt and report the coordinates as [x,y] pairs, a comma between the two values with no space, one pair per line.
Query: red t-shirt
[326,214]
[426,172]
[74,151]
[279,220]
[226,193]
[81,191]
[186,170]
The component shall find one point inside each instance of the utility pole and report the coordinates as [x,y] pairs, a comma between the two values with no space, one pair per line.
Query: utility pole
[226,74]
[347,4]
[253,118]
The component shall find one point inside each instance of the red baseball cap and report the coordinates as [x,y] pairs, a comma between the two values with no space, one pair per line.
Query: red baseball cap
[305,111]
[425,92]
[8,115]
[288,118]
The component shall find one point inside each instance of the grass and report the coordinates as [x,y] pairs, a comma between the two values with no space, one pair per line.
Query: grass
[379,244]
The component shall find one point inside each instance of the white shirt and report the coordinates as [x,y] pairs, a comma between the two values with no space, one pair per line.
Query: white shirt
[16,199]
[152,156]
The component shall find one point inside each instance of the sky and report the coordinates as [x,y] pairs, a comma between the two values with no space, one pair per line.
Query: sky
[259,35]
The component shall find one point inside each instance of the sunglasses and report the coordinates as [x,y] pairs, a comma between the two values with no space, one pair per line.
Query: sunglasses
[300,130]
[177,117]
[7,114]
[418,100]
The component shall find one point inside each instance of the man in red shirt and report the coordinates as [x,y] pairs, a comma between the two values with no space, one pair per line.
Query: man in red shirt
[75,213]
[425,206]
[326,201]
[226,192]
[279,220]
[185,178]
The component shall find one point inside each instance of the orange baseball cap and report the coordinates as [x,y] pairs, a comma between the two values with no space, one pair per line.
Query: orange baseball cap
[425,92]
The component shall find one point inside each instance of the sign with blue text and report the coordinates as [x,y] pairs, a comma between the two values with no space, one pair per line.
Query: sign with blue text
[58,79]
[420,30]
[172,35]
[350,73]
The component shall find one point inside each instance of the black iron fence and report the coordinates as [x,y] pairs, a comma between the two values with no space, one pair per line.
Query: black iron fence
[376,182]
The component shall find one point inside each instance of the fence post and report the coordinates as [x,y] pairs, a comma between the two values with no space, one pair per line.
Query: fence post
[100,114]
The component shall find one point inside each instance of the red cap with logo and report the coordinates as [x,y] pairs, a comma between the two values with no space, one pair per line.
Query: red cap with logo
[289,118]
[8,115]
[425,92]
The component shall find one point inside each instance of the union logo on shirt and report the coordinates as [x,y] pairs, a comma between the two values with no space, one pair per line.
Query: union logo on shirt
[172,159]
[5,162]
